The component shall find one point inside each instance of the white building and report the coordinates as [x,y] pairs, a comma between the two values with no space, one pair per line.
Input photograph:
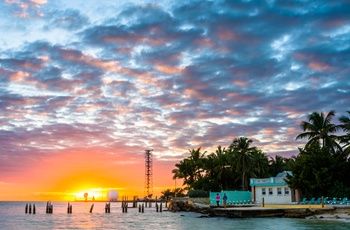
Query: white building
[274,190]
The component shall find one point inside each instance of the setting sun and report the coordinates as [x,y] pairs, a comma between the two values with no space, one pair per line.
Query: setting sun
[92,194]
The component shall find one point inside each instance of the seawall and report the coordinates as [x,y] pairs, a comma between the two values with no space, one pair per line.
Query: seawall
[201,205]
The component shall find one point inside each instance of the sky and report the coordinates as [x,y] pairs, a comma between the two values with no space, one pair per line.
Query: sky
[87,86]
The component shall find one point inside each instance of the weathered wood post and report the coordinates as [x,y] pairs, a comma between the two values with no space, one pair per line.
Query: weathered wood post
[34,209]
[26,209]
[91,208]
[49,207]
[263,202]
[156,207]
[108,208]
[134,204]
[161,208]
[30,208]
[143,208]
[69,208]
[322,202]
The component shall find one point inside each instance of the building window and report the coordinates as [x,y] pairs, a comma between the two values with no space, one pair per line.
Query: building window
[279,191]
[263,191]
[286,191]
[270,191]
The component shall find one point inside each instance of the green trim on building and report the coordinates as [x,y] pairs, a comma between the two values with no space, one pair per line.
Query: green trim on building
[269,184]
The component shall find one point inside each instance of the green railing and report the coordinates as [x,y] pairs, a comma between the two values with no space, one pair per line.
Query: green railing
[233,197]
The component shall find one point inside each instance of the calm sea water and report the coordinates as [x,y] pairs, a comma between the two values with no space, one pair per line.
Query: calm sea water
[12,216]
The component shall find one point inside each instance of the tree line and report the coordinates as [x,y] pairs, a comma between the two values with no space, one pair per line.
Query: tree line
[322,167]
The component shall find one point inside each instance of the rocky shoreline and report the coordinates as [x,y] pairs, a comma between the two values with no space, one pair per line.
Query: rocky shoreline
[255,211]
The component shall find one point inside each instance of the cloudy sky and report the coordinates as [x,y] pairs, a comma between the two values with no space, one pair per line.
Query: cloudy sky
[87,86]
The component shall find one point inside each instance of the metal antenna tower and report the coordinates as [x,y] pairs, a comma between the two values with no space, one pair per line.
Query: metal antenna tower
[148,173]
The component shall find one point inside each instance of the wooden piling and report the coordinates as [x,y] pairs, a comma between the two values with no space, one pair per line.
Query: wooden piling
[30,208]
[134,203]
[26,209]
[91,208]
[108,208]
[263,202]
[322,202]
[161,208]
[69,208]
[34,209]
[156,207]
[49,207]
[143,208]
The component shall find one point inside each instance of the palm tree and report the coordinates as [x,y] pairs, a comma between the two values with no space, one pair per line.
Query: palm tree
[191,168]
[243,158]
[345,125]
[277,165]
[184,171]
[218,167]
[197,161]
[290,162]
[319,130]
[261,164]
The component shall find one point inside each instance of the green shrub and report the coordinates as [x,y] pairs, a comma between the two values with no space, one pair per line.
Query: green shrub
[339,190]
[197,193]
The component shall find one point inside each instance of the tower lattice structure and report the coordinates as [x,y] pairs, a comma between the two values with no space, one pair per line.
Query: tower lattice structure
[148,173]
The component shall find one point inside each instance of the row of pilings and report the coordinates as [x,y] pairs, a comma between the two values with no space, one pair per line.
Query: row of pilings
[28,208]
[31,209]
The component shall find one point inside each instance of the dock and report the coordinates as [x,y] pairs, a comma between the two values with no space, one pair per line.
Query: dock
[260,212]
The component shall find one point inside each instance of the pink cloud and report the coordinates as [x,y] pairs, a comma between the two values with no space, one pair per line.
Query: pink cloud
[240,83]
[168,69]
[204,42]
[268,131]
[19,76]
[318,66]
[26,8]
[225,34]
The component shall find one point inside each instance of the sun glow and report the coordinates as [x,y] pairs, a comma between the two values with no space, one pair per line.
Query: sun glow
[91,194]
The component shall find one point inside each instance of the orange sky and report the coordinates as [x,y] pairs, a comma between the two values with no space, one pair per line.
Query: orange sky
[68,175]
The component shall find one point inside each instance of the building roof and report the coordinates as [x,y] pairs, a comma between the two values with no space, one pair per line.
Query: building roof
[272,181]
[284,174]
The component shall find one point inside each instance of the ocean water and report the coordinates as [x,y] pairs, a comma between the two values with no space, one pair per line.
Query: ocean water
[12,216]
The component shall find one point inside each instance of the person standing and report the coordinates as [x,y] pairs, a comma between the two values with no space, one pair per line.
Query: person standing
[217,199]
[225,200]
